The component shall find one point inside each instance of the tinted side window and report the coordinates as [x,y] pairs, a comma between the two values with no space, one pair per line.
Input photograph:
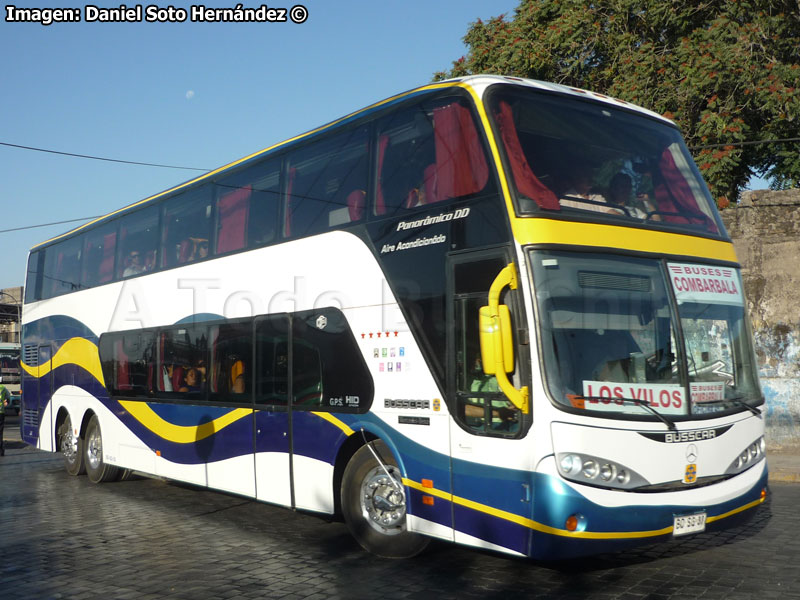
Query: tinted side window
[183,367]
[231,376]
[328,367]
[186,228]
[247,207]
[138,239]
[327,184]
[98,255]
[128,361]
[429,153]
[62,267]
[272,360]
[33,281]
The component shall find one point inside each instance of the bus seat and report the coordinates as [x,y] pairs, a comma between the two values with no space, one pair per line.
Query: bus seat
[177,378]
[412,199]
[149,260]
[237,370]
[356,202]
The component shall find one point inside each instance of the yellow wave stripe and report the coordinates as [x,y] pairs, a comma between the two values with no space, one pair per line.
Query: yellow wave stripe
[333,420]
[186,434]
[180,434]
[83,353]
[78,351]
[531,524]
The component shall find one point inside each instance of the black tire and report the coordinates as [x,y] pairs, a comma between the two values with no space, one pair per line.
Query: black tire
[374,508]
[71,448]
[97,470]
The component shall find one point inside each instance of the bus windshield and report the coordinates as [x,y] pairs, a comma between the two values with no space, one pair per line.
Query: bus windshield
[617,330]
[593,160]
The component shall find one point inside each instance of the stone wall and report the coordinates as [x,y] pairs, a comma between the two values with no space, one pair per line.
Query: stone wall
[765,228]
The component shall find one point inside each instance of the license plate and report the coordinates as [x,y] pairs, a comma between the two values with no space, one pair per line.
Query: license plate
[686,524]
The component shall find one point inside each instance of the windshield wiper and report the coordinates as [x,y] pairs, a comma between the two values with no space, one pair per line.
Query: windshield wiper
[643,403]
[738,401]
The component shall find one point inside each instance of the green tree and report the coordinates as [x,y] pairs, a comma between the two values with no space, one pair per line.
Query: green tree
[725,70]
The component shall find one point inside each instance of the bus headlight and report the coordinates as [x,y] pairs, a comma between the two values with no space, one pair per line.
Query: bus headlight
[570,464]
[592,470]
[748,457]
[608,471]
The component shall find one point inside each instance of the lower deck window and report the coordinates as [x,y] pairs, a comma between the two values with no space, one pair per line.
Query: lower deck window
[311,357]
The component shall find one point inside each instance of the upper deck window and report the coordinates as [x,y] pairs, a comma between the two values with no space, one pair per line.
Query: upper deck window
[427,153]
[587,159]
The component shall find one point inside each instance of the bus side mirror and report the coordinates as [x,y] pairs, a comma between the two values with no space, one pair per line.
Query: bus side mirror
[496,340]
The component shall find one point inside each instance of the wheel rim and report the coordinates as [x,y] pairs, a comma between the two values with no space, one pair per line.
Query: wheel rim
[69,442]
[383,501]
[94,448]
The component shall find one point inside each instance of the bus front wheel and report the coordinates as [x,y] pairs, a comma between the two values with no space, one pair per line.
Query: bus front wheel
[97,470]
[374,504]
[71,447]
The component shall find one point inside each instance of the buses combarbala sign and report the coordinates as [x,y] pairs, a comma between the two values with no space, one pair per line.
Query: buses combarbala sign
[702,283]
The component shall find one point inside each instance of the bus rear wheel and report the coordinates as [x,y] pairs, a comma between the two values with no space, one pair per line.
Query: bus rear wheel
[71,447]
[374,505]
[97,470]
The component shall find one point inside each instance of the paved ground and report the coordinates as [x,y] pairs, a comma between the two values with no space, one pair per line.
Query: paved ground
[62,537]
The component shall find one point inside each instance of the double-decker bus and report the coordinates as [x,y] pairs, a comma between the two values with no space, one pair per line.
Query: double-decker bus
[489,310]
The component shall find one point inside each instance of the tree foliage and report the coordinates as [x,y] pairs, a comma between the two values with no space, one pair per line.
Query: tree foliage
[727,71]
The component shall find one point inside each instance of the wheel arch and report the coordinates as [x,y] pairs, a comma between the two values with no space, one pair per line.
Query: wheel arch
[61,416]
[87,417]
[363,433]
[346,451]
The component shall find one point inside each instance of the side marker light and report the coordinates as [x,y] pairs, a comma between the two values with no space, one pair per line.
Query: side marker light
[572,523]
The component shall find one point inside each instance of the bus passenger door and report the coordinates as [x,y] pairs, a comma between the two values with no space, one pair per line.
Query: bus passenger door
[488,488]
[272,417]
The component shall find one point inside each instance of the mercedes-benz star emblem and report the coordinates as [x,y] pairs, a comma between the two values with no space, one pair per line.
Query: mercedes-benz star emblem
[691,453]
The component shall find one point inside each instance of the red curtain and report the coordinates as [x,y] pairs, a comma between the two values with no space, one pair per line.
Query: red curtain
[527,183]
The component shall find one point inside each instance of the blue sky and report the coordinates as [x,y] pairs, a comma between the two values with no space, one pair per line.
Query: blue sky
[191,94]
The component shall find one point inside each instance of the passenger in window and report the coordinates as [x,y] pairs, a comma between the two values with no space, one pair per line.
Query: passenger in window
[620,192]
[416,196]
[198,249]
[135,264]
[192,381]
[202,249]
[580,193]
